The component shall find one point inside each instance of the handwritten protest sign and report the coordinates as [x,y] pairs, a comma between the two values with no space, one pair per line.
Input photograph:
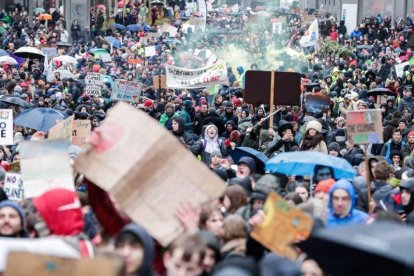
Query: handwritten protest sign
[196,78]
[128,91]
[150,51]
[6,127]
[148,179]
[62,130]
[45,165]
[43,265]
[317,103]
[13,186]
[159,81]
[81,130]
[399,69]
[364,127]
[282,226]
[93,84]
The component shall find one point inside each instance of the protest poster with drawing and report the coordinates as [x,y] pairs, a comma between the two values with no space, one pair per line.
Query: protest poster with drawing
[128,91]
[13,186]
[364,127]
[282,226]
[150,178]
[6,127]
[45,164]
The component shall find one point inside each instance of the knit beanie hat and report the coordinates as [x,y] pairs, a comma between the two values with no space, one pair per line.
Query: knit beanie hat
[325,185]
[334,146]
[316,125]
[15,206]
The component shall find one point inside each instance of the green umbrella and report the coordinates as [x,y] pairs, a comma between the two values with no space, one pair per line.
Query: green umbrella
[99,52]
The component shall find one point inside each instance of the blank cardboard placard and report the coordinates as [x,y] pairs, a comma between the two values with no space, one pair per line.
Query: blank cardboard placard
[282,226]
[43,265]
[150,171]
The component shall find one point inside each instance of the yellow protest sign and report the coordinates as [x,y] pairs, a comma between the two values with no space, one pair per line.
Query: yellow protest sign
[282,226]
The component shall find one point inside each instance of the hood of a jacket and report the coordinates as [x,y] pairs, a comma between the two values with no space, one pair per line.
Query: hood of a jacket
[61,210]
[347,186]
[147,244]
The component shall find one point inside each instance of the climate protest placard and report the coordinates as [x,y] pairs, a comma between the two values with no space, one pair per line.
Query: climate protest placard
[196,78]
[128,91]
[13,186]
[364,127]
[93,84]
[81,130]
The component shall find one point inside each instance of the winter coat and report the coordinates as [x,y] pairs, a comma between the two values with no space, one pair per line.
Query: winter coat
[354,216]
[389,147]
[406,102]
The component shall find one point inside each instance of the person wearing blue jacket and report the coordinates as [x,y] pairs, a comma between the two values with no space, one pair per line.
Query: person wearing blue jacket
[342,202]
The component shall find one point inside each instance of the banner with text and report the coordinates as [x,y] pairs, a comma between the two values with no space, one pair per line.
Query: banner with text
[196,78]
[13,186]
[93,84]
[364,127]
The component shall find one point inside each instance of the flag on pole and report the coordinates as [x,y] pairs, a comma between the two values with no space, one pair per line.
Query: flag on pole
[311,36]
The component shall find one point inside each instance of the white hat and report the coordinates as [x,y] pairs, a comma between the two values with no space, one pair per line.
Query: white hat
[314,125]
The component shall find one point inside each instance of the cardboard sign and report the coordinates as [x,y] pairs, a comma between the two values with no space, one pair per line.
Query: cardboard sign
[134,61]
[286,89]
[15,167]
[159,81]
[6,127]
[106,57]
[81,131]
[128,91]
[93,84]
[13,186]
[148,179]
[62,130]
[43,265]
[317,103]
[364,127]
[45,164]
[180,78]
[282,226]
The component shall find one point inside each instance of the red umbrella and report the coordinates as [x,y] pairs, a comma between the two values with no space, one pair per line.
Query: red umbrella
[121,4]
[101,7]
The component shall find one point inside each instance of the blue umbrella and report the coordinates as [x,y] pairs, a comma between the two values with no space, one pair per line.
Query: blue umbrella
[258,156]
[115,42]
[3,53]
[135,27]
[304,162]
[41,119]
[118,26]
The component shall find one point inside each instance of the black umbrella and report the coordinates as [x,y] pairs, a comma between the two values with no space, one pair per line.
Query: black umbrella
[382,248]
[380,91]
[157,2]
[15,101]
